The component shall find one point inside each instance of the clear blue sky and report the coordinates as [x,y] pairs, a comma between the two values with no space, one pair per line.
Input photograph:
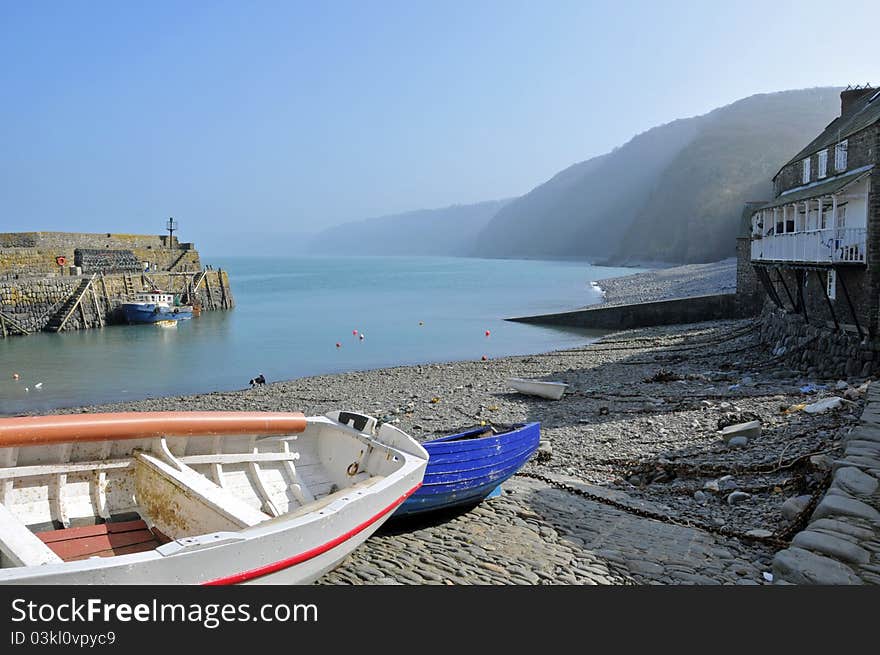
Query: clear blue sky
[289,116]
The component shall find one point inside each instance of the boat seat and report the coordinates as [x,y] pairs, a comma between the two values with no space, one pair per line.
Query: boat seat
[19,546]
[317,505]
[101,540]
[182,503]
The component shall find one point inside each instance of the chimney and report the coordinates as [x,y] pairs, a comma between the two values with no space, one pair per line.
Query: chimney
[850,95]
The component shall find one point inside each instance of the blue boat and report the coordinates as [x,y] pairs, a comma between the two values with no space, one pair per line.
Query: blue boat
[153,307]
[465,468]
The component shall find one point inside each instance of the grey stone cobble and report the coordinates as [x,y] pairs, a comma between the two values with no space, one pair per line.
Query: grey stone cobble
[840,544]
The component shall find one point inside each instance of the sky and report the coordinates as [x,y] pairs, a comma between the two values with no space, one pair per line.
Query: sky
[281,118]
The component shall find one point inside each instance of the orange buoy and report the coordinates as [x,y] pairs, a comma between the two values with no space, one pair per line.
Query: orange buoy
[15,376]
[61,261]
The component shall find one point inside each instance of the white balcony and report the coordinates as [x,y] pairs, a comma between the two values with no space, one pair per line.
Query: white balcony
[829,246]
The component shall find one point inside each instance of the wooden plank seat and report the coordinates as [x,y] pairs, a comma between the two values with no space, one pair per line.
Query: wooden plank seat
[101,540]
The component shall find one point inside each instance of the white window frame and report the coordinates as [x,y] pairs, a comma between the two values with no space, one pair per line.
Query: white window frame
[840,219]
[823,163]
[840,155]
[806,176]
[831,284]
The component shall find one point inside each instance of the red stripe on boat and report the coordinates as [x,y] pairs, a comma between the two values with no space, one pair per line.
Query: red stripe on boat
[310,554]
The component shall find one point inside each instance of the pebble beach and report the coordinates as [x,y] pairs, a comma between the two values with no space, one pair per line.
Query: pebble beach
[634,482]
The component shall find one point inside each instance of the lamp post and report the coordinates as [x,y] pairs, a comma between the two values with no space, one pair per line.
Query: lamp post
[171,226]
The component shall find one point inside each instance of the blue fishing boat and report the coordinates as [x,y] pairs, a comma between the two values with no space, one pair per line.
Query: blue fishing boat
[155,306]
[465,468]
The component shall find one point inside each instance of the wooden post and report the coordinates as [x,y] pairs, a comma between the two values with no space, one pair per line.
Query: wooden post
[3,325]
[97,308]
[210,295]
[222,289]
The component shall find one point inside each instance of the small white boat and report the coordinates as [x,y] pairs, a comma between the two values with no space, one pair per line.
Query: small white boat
[195,497]
[551,390]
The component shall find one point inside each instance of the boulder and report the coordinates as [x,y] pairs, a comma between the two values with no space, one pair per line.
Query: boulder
[749,430]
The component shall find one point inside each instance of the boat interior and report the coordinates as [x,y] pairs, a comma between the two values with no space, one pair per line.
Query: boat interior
[81,499]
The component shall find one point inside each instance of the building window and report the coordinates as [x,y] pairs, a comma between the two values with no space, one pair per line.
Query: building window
[840,156]
[806,177]
[823,163]
[840,220]
[832,284]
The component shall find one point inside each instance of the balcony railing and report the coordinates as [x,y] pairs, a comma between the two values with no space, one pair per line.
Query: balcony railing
[844,245]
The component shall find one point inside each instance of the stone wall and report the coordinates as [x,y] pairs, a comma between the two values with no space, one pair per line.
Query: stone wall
[33,303]
[823,353]
[841,544]
[861,151]
[36,253]
[748,289]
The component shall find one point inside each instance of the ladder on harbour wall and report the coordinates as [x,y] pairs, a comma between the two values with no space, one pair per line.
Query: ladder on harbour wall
[76,301]
[217,298]
[129,285]
[7,324]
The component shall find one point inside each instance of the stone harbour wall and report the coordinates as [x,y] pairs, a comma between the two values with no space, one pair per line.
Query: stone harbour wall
[841,544]
[693,309]
[36,253]
[33,303]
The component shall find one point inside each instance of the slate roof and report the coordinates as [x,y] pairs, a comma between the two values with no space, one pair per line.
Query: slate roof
[814,190]
[864,112]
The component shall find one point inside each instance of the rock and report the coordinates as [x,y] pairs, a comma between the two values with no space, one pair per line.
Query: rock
[835,506]
[804,567]
[824,405]
[832,546]
[711,485]
[759,533]
[545,451]
[841,385]
[749,430]
[737,497]
[700,497]
[794,506]
[842,528]
[738,442]
[852,480]
[821,462]
[727,483]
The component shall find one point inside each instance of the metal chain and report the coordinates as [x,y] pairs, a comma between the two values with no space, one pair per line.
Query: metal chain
[778,539]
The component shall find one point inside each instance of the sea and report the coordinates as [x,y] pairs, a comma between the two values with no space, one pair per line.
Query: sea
[304,316]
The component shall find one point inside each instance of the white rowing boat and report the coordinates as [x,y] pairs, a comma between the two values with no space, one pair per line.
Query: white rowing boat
[195,497]
[551,390]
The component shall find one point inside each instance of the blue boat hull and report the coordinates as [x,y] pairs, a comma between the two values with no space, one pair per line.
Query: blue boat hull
[141,313]
[464,468]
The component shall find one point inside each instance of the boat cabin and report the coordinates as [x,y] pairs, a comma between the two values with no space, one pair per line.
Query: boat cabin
[155,297]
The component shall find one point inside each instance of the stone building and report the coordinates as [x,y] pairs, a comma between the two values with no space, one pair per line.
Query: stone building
[815,247]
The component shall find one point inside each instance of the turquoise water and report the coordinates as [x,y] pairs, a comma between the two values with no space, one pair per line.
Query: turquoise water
[289,315]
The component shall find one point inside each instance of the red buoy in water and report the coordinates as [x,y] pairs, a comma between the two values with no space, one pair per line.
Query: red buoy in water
[354,332]
[488,333]
[485,359]
[338,345]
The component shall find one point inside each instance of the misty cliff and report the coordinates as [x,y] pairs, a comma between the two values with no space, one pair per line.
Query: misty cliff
[447,231]
[674,193]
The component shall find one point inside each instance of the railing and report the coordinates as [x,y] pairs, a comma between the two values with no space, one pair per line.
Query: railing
[833,245]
